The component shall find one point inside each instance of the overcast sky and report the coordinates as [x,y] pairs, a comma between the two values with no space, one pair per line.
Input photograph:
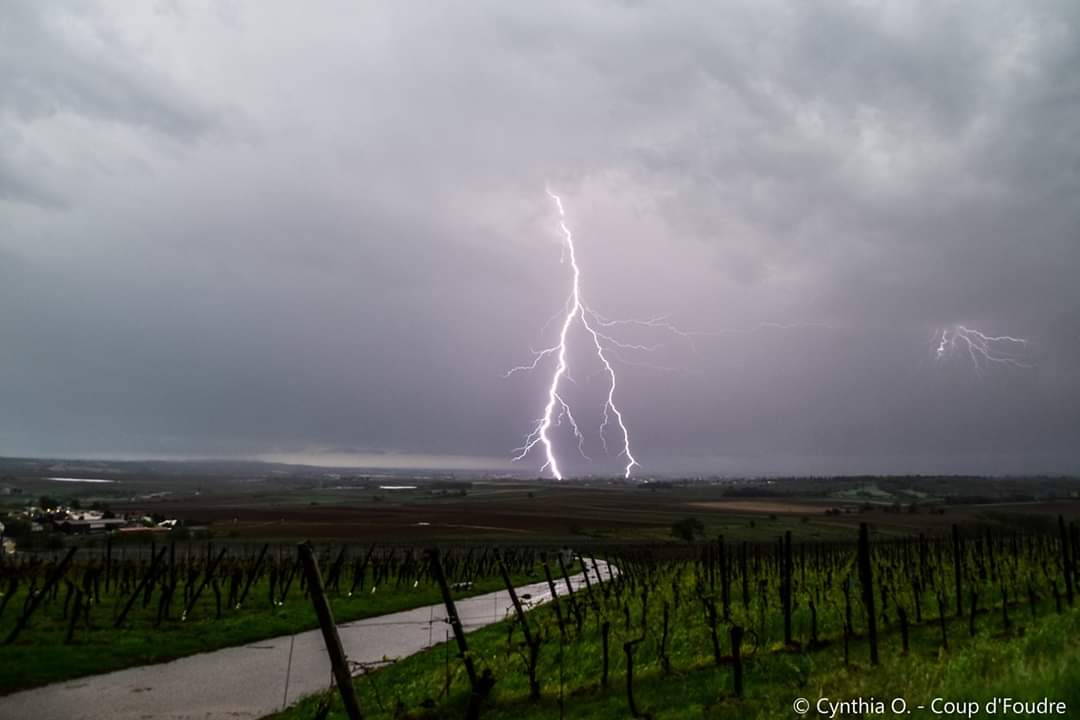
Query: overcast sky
[320,231]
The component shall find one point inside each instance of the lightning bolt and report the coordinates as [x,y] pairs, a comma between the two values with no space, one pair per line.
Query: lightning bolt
[983,350]
[606,346]
[556,408]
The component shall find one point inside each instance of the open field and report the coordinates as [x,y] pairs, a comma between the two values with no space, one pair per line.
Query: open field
[260,503]
[516,512]
[756,507]
[1010,555]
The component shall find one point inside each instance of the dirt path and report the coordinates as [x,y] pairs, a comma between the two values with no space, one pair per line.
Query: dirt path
[249,681]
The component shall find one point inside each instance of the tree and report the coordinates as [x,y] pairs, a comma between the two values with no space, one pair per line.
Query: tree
[688,529]
[15,527]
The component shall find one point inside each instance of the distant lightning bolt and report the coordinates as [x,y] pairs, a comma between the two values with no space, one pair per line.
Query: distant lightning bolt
[661,322]
[576,311]
[983,350]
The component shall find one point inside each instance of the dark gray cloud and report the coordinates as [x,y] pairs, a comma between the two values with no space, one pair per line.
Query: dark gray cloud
[241,229]
[66,58]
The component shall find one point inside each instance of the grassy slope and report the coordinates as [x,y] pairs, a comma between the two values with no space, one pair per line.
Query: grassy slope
[1043,660]
[39,656]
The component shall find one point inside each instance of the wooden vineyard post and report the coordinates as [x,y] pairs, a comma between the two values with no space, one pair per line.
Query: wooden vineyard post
[75,608]
[554,597]
[570,593]
[338,663]
[903,629]
[359,572]
[725,578]
[628,648]
[13,585]
[251,576]
[172,566]
[108,562]
[151,573]
[1074,530]
[588,583]
[57,573]
[847,621]
[531,641]
[480,687]
[849,626]
[710,615]
[605,633]
[745,576]
[1066,564]
[736,658]
[211,568]
[600,578]
[1005,608]
[866,576]
[665,661]
[785,585]
[958,551]
[942,609]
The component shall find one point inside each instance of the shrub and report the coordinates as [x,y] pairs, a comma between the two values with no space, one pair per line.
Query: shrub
[688,529]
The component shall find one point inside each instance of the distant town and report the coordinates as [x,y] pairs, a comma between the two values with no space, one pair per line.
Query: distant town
[44,519]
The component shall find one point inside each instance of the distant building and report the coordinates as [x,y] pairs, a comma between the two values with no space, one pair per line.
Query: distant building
[85,515]
[98,524]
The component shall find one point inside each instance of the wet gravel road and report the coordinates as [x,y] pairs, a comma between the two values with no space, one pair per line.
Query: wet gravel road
[249,681]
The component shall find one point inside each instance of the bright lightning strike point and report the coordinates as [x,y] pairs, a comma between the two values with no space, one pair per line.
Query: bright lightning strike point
[556,408]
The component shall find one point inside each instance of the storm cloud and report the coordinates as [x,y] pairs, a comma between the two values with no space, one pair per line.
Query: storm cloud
[255,229]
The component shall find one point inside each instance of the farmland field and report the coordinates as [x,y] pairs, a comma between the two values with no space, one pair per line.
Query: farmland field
[968,578]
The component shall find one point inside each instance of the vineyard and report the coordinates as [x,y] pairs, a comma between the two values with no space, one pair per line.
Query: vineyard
[88,610]
[679,629]
[724,629]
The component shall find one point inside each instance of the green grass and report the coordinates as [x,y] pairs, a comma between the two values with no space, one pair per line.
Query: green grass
[39,655]
[1035,659]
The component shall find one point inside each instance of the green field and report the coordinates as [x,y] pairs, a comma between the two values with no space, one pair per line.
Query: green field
[1023,646]
[1041,661]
